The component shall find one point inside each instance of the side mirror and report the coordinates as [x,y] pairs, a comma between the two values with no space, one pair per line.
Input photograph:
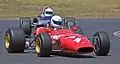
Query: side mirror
[74,28]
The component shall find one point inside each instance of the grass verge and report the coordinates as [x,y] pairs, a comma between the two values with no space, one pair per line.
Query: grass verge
[65,8]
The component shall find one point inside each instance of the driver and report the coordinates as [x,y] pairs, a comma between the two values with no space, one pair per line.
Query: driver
[45,17]
[56,22]
[47,14]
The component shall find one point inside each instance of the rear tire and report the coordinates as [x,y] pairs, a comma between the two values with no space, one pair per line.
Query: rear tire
[43,45]
[15,40]
[101,43]
[69,22]
[25,24]
[35,20]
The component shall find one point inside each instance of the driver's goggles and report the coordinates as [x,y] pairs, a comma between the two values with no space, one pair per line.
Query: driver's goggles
[48,12]
[57,22]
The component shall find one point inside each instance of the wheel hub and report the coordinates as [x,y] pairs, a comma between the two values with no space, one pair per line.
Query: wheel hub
[37,46]
[96,44]
[7,40]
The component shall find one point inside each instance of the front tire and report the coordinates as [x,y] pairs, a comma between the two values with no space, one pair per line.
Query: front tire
[101,43]
[15,40]
[43,45]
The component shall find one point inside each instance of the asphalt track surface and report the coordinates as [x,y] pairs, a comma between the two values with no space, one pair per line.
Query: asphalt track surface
[89,26]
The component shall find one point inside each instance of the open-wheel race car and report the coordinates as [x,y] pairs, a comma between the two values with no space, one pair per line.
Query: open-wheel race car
[47,40]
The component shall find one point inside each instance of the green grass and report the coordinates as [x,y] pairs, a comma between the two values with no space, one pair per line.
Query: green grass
[65,8]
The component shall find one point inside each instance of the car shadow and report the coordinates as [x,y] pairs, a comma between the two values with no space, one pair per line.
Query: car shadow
[70,55]
[29,51]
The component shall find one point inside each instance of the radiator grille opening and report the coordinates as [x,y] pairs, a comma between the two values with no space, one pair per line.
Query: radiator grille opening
[85,50]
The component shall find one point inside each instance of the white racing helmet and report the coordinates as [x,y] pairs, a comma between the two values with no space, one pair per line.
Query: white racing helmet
[56,21]
[48,12]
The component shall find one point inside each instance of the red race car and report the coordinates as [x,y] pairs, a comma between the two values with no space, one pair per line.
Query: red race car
[48,40]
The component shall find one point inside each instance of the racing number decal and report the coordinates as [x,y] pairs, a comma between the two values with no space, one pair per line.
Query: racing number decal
[77,40]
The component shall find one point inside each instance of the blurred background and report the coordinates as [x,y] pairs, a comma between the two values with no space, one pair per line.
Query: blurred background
[65,8]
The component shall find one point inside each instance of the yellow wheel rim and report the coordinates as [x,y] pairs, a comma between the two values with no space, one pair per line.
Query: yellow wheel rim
[38,43]
[7,40]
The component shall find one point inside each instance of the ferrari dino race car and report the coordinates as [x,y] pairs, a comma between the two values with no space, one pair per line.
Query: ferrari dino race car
[47,40]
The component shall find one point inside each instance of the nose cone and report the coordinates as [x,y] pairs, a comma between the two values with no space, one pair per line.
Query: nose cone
[78,44]
[83,46]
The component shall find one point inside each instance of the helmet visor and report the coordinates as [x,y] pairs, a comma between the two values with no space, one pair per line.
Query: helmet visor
[57,22]
[48,12]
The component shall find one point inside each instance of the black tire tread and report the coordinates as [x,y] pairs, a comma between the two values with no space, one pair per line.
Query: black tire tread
[17,40]
[46,45]
[25,24]
[104,43]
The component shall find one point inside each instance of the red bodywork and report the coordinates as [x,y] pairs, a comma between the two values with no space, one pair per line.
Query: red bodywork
[69,41]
